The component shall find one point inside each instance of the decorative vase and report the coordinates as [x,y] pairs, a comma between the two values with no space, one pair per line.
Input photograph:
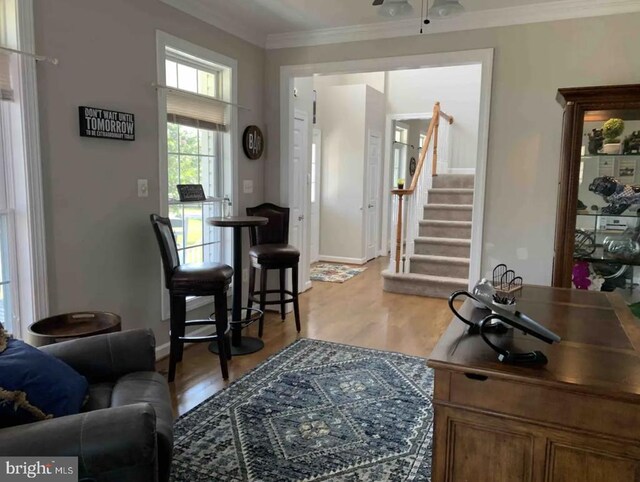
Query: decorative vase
[611,148]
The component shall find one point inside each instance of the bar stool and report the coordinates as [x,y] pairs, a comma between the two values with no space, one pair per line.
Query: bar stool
[270,250]
[196,279]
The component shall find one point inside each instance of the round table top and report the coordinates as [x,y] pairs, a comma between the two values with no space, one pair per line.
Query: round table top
[238,221]
[76,325]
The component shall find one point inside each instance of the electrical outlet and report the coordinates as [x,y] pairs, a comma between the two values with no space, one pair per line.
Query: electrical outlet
[245,275]
[143,188]
[247,186]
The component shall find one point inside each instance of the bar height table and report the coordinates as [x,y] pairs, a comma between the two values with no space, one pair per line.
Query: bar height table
[240,345]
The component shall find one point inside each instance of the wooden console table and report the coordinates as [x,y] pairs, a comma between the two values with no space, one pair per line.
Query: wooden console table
[575,419]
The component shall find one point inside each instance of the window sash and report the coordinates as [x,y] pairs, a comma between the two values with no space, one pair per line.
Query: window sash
[6,90]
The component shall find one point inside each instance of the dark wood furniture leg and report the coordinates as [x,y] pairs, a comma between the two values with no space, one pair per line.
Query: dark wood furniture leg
[294,291]
[177,327]
[220,304]
[283,273]
[263,298]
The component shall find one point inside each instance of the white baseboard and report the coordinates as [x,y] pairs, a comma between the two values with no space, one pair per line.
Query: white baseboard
[162,351]
[340,259]
[462,170]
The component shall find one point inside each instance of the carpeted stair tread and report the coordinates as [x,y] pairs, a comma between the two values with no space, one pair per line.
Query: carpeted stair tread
[465,181]
[440,259]
[439,222]
[453,207]
[452,190]
[449,241]
[425,278]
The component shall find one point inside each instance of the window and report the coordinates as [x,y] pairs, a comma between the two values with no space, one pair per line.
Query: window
[193,159]
[7,286]
[196,90]
[399,153]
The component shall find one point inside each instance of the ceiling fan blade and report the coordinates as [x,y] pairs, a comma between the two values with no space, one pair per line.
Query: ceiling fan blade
[377,2]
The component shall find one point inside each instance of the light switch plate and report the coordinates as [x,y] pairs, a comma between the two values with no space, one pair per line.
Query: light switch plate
[143,188]
[247,186]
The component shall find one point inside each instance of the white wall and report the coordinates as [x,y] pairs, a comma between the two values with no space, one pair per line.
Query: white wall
[458,91]
[345,115]
[377,80]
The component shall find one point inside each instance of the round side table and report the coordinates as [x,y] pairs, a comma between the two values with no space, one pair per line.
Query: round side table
[74,325]
[240,345]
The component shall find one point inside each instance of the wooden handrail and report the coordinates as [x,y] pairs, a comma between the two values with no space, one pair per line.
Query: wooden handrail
[432,133]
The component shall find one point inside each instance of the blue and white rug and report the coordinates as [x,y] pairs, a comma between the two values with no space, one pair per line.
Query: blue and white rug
[315,411]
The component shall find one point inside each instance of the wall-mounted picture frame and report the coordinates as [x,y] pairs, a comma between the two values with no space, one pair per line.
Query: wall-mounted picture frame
[106,124]
[253,142]
[412,166]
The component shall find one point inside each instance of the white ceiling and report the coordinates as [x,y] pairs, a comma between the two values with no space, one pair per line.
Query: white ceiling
[285,23]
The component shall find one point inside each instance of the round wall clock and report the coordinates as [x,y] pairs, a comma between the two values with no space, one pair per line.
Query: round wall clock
[253,142]
[412,166]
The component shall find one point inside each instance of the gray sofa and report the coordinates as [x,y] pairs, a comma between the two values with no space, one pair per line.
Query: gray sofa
[125,432]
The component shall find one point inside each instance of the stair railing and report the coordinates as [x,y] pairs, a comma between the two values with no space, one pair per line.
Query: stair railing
[406,224]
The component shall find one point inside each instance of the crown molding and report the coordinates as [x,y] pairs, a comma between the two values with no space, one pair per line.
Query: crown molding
[208,14]
[534,13]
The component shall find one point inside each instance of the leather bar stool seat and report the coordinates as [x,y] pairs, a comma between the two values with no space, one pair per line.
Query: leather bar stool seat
[195,279]
[264,254]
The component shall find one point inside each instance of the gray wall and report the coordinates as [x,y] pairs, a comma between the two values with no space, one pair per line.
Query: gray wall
[531,62]
[101,251]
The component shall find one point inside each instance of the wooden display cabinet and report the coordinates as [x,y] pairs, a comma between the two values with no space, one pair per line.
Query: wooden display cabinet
[585,228]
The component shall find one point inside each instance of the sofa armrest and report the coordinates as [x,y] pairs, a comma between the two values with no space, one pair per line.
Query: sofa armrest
[108,357]
[117,443]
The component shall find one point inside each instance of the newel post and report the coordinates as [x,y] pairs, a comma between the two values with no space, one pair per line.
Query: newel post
[400,194]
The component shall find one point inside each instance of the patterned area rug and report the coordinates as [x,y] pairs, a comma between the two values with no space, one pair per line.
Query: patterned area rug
[334,273]
[315,411]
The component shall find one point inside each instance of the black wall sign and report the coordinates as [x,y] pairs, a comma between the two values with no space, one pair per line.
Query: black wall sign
[191,192]
[107,124]
[253,142]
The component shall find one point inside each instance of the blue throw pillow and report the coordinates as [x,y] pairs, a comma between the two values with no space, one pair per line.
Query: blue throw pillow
[35,385]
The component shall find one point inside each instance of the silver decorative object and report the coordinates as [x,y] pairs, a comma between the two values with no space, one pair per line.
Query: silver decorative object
[483,290]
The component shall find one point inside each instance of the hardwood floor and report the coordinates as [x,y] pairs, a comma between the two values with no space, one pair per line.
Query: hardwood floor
[357,312]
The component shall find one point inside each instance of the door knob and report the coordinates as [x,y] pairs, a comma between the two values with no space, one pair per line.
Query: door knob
[370,205]
[300,218]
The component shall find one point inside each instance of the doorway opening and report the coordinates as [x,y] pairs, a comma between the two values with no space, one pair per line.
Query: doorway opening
[364,132]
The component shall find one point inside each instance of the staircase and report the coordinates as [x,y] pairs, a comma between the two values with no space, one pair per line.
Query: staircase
[440,262]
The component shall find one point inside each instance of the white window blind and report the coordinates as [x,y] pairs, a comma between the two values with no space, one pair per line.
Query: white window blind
[198,107]
[6,92]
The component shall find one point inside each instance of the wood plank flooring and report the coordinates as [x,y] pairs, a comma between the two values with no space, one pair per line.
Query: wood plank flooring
[357,312]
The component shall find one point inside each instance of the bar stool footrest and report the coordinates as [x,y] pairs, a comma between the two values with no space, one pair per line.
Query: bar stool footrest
[256,314]
[256,297]
[200,339]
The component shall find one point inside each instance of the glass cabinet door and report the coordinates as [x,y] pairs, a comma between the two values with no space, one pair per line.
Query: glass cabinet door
[607,237]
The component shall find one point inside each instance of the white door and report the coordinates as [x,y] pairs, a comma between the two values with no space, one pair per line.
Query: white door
[374,149]
[298,232]
[314,195]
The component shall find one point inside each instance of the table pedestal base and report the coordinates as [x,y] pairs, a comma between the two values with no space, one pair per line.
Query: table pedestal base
[248,344]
